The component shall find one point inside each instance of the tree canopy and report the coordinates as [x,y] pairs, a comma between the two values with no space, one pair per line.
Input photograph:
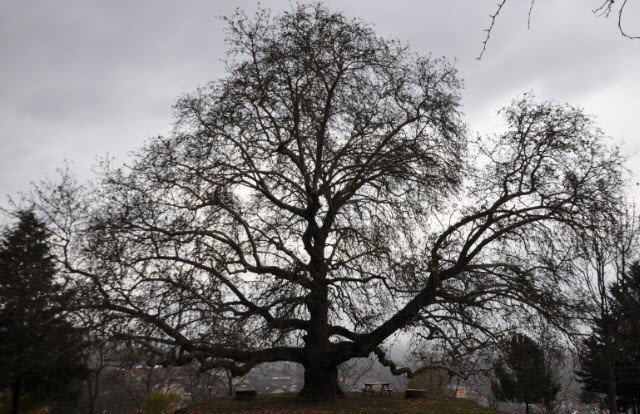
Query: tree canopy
[325,195]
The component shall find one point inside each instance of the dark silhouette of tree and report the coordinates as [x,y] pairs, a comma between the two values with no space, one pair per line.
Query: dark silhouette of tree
[623,319]
[39,348]
[626,296]
[323,196]
[524,373]
[594,398]
[606,9]
[606,246]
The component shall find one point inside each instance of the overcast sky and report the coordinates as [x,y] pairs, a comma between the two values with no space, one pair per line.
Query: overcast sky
[83,78]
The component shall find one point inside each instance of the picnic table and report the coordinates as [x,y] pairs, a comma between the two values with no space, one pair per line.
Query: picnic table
[370,388]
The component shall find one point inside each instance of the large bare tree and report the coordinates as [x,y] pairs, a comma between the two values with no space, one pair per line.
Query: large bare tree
[324,196]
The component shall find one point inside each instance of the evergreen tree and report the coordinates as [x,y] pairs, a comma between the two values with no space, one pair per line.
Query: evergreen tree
[623,320]
[626,295]
[524,373]
[39,348]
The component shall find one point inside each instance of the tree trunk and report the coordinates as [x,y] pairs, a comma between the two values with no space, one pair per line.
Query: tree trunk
[15,396]
[320,383]
[526,407]
[229,382]
[93,387]
[320,378]
[612,395]
[90,397]
[611,374]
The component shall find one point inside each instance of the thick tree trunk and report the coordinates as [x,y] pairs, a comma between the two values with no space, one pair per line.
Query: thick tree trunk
[320,383]
[320,376]
[15,396]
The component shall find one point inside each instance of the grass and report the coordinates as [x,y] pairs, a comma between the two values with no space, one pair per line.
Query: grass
[28,404]
[353,404]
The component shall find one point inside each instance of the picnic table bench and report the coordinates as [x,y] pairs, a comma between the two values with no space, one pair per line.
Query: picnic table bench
[371,387]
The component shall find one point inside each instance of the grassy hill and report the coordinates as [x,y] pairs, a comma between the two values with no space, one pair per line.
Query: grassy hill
[353,404]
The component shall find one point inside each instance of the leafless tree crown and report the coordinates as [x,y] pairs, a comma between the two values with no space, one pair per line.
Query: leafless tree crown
[323,196]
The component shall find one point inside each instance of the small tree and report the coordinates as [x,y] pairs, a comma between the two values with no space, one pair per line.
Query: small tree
[38,351]
[524,375]
[158,402]
[594,398]
[605,248]
[434,381]
[623,320]
[626,296]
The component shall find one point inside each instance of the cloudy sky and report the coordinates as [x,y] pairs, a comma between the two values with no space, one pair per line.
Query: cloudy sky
[80,79]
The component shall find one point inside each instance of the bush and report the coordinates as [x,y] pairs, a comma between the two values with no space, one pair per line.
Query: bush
[158,402]
[434,381]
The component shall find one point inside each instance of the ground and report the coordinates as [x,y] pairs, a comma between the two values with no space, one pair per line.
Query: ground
[353,404]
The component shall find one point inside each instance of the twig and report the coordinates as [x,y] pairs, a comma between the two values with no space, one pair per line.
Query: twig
[493,21]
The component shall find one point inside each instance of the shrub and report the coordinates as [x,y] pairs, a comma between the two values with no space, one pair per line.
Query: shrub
[434,381]
[158,402]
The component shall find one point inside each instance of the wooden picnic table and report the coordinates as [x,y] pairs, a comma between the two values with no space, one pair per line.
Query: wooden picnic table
[369,388]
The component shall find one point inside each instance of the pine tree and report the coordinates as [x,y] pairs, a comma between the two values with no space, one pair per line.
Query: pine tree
[524,375]
[38,351]
[626,295]
[623,317]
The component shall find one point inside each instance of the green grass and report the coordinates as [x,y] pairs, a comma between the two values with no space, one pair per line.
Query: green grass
[353,404]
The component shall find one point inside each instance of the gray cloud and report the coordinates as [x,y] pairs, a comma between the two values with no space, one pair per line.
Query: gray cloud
[83,78]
